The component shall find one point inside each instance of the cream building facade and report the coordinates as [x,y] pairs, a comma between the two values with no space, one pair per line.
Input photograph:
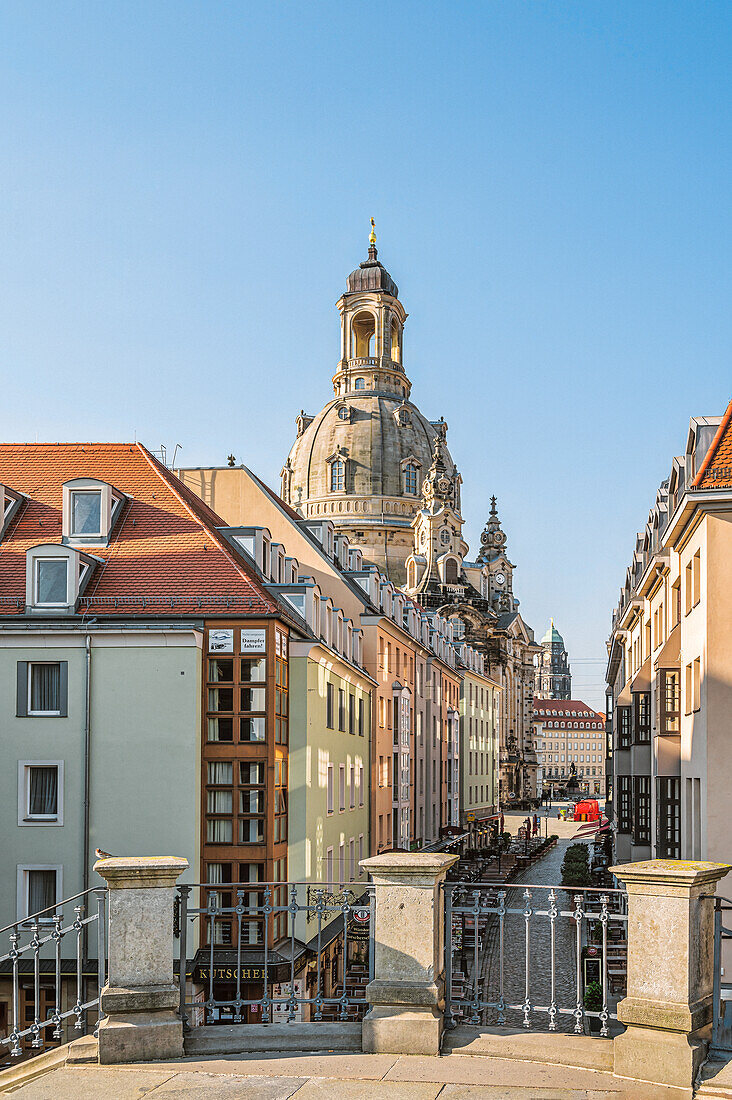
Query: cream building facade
[670,663]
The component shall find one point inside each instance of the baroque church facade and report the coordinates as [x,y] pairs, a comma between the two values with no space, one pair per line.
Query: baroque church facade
[371,463]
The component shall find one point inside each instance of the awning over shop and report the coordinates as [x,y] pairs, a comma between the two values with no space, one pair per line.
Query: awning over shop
[671,651]
[642,678]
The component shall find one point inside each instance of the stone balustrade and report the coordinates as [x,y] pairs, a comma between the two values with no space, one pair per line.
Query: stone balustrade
[670,963]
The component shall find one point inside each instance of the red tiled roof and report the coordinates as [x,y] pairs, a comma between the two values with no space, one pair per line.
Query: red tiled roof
[562,708]
[715,471]
[163,547]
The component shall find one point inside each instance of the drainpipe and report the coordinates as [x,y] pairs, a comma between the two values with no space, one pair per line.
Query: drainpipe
[87,779]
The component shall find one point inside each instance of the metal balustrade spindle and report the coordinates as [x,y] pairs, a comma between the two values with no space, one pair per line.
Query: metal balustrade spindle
[527,984]
[475,1018]
[578,914]
[267,912]
[294,909]
[501,935]
[35,944]
[240,895]
[212,907]
[553,913]
[603,923]
[57,936]
[78,926]
[319,907]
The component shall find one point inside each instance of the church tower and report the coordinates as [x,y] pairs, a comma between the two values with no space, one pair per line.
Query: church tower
[553,674]
[360,462]
[439,548]
[497,568]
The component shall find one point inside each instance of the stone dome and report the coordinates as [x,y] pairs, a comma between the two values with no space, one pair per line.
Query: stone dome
[361,461]
[377,434]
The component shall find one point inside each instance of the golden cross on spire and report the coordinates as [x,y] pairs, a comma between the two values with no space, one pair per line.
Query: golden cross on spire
[372,235]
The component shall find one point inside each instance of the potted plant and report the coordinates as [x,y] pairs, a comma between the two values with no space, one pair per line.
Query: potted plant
[593,1003]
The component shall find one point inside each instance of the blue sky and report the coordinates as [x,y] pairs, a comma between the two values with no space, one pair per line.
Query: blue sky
[187,185]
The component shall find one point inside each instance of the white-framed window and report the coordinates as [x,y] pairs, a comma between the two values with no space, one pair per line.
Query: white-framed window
[51,582]
[330,789]
[40,792]
[342,788]
[329,866]
[39,887]
[337,476]
[351,860]
[42,689]
[86,512]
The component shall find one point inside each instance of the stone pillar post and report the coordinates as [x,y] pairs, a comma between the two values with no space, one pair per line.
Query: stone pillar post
[141,996]
[407,995]
[670,964]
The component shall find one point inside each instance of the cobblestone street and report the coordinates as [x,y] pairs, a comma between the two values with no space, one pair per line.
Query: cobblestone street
[545,872]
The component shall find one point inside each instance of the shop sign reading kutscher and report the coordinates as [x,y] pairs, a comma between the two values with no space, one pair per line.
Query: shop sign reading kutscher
[253,641]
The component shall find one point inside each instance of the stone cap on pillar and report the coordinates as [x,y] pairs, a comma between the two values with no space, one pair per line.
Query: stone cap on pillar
[141,872]
[416,868]
[674,877]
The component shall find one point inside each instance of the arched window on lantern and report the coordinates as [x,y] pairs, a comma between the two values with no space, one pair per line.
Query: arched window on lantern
[337,476]
[363,338]
[360,384]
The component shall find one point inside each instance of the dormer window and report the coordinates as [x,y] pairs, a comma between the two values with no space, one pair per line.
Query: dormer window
[90,510]
[56,576]
[10,502]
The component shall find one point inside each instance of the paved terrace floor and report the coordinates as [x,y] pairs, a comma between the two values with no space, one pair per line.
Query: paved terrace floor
[339,1077]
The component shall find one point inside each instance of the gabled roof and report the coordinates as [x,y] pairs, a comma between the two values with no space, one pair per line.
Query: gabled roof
[715,471]
[164,554]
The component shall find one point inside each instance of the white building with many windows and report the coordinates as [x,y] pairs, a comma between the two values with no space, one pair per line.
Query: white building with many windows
[570,745]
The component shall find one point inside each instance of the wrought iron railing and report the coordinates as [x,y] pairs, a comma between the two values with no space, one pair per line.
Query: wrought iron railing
[721,1044]
[262,935]
[525,955]
[40,965]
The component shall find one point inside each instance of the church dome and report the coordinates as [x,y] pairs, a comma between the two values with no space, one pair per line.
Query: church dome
[376,435]
[361,461]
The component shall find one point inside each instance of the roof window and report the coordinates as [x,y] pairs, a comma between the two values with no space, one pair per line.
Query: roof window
[55,577]
[10,502]
[90,510]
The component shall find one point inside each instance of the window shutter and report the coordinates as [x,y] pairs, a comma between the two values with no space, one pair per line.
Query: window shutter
[63,689]
[21,709]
